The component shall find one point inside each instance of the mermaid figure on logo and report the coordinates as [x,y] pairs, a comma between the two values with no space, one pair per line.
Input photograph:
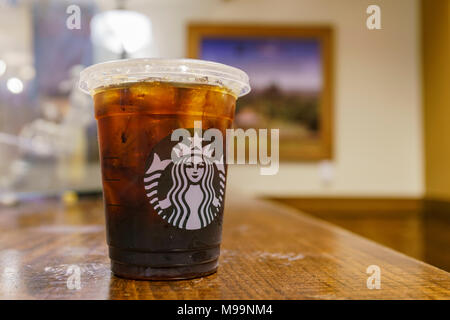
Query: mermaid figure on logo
[192,202]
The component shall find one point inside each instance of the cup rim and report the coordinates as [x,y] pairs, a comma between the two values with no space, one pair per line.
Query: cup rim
[189,71]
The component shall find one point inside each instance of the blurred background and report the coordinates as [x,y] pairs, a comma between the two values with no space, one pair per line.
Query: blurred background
[362,113]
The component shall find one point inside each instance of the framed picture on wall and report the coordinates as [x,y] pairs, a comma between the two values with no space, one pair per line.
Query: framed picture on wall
[290,70]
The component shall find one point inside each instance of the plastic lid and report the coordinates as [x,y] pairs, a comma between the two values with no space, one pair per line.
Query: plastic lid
[167,70]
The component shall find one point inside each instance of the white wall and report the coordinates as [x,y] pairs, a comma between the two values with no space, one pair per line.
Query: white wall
[377,98]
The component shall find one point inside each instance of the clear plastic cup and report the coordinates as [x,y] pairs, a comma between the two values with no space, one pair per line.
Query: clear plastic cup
[163,218]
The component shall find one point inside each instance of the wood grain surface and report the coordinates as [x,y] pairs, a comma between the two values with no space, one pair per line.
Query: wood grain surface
[268,252]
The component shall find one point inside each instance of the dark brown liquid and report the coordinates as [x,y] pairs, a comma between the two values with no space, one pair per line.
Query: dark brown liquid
[132,120]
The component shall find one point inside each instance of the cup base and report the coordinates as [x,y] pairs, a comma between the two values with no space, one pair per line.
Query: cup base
[176,264]
[135,272]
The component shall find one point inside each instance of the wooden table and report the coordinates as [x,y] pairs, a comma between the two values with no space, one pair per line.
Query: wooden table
[268,252]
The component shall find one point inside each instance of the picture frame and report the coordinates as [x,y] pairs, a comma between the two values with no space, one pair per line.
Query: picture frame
[317,142]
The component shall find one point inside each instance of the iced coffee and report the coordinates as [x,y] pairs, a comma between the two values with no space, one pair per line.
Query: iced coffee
[163,216]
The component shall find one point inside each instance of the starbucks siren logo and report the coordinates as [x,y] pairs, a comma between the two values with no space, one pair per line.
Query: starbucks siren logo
[187,193]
